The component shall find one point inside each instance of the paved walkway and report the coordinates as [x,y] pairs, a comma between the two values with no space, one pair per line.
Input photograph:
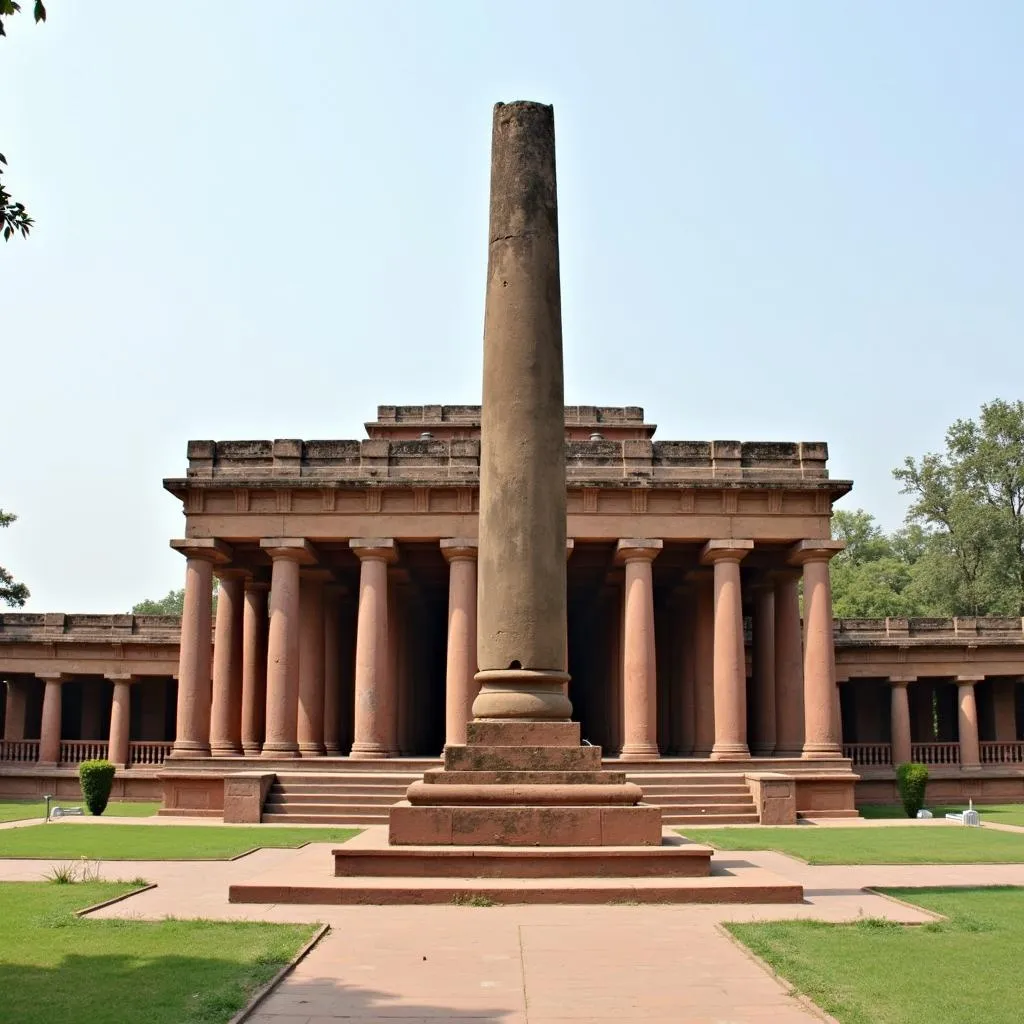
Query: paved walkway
[527,965]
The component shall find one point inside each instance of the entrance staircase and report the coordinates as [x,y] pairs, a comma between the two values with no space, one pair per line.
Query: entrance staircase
[364,798]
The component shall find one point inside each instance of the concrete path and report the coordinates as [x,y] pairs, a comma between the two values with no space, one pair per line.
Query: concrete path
[526,965]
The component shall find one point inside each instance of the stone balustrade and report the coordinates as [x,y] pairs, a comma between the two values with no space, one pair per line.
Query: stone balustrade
[920,631]
[57,627]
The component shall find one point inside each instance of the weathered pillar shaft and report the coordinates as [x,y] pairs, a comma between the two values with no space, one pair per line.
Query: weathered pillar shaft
[461,653]
[332,670]
[763,741]
[967,722]
[254,666]
[17,707]
[900,721]
[120,722]
[521,645]
[311,665]
[49,731]
[789,666]
[226,706]
[704,665]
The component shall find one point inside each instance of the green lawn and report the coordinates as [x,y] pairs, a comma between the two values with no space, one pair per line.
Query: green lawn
[13,809]
[1006,814]
[964,970]
[156,842]
[911,845]
[55,966]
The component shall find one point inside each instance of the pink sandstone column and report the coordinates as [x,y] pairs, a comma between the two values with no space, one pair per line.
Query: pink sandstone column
[332,669]
[120,720]
[821,733]
[460,689]
[789,666]
[681,636]
[763,741]
[226,708]
[283,645]
[49,732]
[311,664]
[900,724]
[639,674]
[92,723]
[704,665]
[17,706]
[254,665]
[1004,700]
[192,731]
[970,752]
[730,675]
[374,688]
[399,684]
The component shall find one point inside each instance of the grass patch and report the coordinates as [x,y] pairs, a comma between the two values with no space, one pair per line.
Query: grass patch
[19,810]
[828,845]
[1004,814]
[58,967]
[965,969]
[156,842]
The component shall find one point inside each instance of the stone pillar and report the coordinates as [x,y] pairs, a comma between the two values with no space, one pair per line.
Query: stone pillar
[332,669]
[522,525]
[821,732]
[730,669]
[226,710]
[639,675]
[254,665]
[282,712]
[311,663]
[15,712]
[967,721]
[704,665]
[763,740]
[192,730]
[681,635]
[49,731]
[374,707]
[789,666]
[460,670]
[1004,706]
[120,721]
[900,724]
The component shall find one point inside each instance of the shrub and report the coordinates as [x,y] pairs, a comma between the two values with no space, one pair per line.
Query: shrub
[912,779]
[97,779]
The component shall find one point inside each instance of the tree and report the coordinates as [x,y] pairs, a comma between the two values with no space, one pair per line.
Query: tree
[173,603]
[969,502]
[11,593]
[869,576]
[13,215]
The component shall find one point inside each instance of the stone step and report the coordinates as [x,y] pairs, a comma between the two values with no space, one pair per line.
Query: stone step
[709,820]
[699,807]
[337,816]
[708,792]
[299,800]
[330,792]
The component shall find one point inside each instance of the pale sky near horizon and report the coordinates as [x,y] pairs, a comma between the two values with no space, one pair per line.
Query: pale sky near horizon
[784,221]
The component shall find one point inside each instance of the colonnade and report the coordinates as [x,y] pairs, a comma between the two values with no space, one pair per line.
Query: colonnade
[271,683]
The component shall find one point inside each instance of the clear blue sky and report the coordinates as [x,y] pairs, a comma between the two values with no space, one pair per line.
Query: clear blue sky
[784,221]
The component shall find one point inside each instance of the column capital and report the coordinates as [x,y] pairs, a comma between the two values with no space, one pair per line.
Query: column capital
[120,677]
[969,680]
[726,550]
[380,549]
[638,550]
[292,549]
[207,549]
[231,574]
[255,585]
[459,549]
[805,551]
[53,677]
[901,680]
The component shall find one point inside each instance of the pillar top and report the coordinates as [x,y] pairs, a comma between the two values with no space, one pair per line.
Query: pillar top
[231,573]
[254,584]
[902,680]
[379,548]
[295,549]
[120,677]
[730,549]
[636,549]
[208,549]
[459,548]
[53,677]
[969,680]
[814,551]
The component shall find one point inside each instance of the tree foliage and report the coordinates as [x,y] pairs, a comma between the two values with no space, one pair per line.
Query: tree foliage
[961,548]
[13,215]
[11,593]
[173,603]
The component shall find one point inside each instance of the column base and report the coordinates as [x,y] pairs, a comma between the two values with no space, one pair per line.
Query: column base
[971,767]
[311,750]
[332,750]
[788,754]
[822,752]
[762,751]
[188,748]
[368,751]
[280,750]
[46,764]
[225,751]
[730,752]
[251,749]
[639,752]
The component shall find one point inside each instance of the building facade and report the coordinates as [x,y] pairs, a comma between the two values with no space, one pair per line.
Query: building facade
[700,622]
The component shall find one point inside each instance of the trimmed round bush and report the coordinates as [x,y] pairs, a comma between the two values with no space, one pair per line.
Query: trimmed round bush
[912,778]
[97,779]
